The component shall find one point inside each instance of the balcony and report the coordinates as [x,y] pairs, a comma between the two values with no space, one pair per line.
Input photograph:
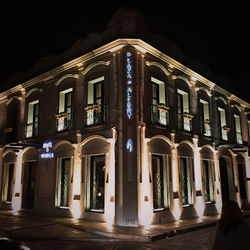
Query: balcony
[95,114]
[206,129]
[159,114]
[239,137]
[31,130]
[185,121]
[64,121]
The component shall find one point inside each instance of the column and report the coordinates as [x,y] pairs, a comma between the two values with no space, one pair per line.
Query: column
[177,206]
[76,203]
[199,199]
[17,200]
[218,196]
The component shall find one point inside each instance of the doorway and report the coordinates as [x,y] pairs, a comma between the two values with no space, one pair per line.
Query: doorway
[241,171]
[29,175]
[224,180]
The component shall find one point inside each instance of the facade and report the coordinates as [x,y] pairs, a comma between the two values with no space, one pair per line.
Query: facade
[123,134]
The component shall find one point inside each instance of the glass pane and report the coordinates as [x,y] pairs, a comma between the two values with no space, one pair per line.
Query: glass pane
[158,190]
[186,181]
[64,181]
[97,183]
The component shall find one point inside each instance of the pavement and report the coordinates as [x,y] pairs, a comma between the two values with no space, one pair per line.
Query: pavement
[26,226]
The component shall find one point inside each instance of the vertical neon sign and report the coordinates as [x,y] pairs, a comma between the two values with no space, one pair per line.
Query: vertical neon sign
[129,74]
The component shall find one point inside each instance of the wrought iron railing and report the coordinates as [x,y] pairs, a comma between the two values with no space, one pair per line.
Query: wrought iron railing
[95,114]
[159,114]
[185,121]
[239,137]
[64,121]
[206,128]
[31,129]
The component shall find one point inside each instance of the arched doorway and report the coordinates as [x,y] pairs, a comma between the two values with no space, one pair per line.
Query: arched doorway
[224,179]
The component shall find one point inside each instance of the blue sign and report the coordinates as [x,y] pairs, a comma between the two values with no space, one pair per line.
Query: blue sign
[47,146]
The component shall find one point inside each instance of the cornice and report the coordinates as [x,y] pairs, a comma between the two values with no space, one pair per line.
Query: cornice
[113,47]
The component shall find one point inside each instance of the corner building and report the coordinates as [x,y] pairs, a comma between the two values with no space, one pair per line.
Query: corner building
[123,134]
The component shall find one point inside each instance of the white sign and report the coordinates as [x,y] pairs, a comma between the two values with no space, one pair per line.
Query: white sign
[47,146]
[129,75]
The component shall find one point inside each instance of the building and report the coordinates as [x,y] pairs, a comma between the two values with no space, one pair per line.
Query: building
[124,134]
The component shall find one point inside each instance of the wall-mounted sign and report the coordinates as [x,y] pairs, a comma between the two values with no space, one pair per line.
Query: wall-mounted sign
[47,146]
[129,145]
[129,76]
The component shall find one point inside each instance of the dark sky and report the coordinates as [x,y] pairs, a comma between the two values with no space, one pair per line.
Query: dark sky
[216,35]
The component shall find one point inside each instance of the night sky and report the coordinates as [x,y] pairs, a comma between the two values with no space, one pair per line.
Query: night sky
[210,34]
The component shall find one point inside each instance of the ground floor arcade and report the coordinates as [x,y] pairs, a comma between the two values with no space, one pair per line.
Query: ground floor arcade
[169,181]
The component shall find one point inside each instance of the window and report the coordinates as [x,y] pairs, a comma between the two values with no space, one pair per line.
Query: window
[159,174]
[64,116]
[159,109]
[96,184]
[205,118]
[95,105]
[248,128]
[223,124]
[63,183]
[208,180]
[7,182]
[186,179]
[32,120]
[238,129]
[184,116]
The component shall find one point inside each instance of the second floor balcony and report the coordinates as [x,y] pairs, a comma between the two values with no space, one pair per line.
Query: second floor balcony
[31,130]
[159,114]
[64,121]
[95,114]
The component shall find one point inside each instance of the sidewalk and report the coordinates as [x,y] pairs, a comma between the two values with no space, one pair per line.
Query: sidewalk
[83,229]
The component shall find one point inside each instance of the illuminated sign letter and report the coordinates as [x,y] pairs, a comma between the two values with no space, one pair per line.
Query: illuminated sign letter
[47,145]
[129,75]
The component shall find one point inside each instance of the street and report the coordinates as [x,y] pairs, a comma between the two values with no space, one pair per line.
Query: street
[43,235]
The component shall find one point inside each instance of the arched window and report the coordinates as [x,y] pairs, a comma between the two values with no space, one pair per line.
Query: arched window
[223,127]
[204,111]
[183,105]
[237,125]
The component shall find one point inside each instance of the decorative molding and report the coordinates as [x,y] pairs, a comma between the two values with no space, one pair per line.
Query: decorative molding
[95,64]
[33,90]
[160,66]
[190,84]
[65,77]
[12,98]
[221,98]
[204,89]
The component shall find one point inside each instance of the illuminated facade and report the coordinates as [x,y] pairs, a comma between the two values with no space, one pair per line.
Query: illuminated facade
[123,134]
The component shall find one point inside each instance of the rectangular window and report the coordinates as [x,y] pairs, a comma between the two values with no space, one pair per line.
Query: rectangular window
[7,182]
[96,184]
[184,116]
[95,106]
[159,183]
[63,182]
[186,179]
[159,109]
[223,124]
[237,129]
[32,120]
[205,118]
[64,116]
[208,180]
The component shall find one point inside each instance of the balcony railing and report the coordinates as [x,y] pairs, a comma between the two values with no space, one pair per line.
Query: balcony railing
[185,121]
[159,114]
[206,128]
[239,137]
[31,129]
[64,121]
[95,114]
